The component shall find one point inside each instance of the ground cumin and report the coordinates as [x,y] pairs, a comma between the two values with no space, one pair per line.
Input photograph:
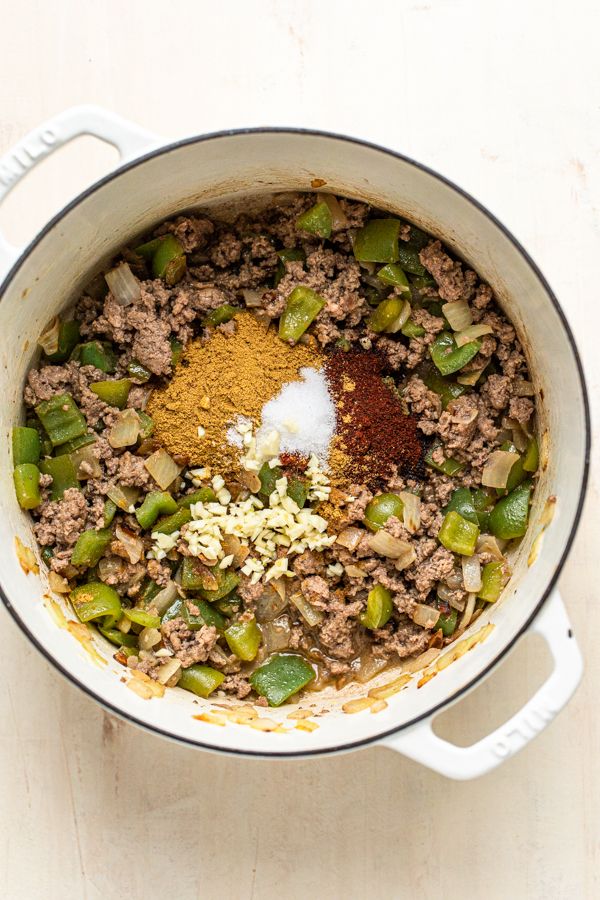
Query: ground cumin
[219,380]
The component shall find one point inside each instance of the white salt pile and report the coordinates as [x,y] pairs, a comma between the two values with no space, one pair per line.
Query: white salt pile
[303,413]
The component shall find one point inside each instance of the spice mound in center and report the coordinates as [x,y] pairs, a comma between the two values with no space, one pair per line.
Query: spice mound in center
[219,380]
[376,435]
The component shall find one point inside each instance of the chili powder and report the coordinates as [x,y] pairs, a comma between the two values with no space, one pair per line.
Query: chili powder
[375,431]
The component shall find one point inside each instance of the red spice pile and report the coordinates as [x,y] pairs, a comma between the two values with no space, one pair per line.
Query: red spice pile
[375,432]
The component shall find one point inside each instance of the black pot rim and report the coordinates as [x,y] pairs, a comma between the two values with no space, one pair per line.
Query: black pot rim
[364,742]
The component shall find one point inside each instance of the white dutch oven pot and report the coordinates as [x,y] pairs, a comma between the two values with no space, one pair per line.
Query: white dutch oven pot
[156,180]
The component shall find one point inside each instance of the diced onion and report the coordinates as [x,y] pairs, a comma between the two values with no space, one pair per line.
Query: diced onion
[497,469]
[339,219]
[548,511]
[26,556]
[269,605]
[276,634]
[126,429]
[486,543]
[401,320]
[134,546]
[350,537]
[149,638]
[123,285]
[412,511]
[85,454]
[472,378]
[124,497]
[455,580]
[368,667]
[458,314]
[313,616]
[536,547]
[471,334]
[49,340]
[389,546]
[407,559]
[165,598]
[523,389]
[162,468]
[232,546]
[450,596]
[114,565]
[253,298]
[468,613]
[471,573]
[426,616]
[169,669]
[250,480]
[57,583]
[419,662]
[519,439]
[355,572]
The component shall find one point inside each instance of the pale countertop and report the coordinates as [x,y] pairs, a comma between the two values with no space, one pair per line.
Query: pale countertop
[503,99]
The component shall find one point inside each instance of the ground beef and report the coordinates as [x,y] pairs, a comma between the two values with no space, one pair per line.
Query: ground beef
[63,521]
[521,409]
[236,684]
[447,273]
[316,591]
[189,646]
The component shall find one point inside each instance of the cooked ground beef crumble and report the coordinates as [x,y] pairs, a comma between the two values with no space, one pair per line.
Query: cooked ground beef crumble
[460,427]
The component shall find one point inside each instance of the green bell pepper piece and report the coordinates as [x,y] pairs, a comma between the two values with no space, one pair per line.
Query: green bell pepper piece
[27,485]
[173,523]
[147,429]
[99,354]
[386,313]
[316,220]
[297,490]
[222,314]
[138,371]
[90,547]
[281,677]
[244,639]
[68,337]
[448,390]
[411,330]
[461,502]
[408,258]
[191,579]
[62,472]
[118,638]
[343,344]
[448,357]
[177,351]
[450,466]
[141,617]
[149,591]
[492,582]
[174,611]
[115,393]
[168,261]
[508,519]
[482,499]
[110,509]
[200,680]
[207,615]
[204,495]
[229,605]
[45,442]
[422,281]
[97,601]
[458,534]
[392,274]
[268,477]
[287,255]
[302,305]
[532,455]
[61,418]
[47,554]
[380,508]
[227,581]
[379,608]
[75,444]
[418,239]
[377,241]
[446,622]
[148,249]
[25,446]
[155,504]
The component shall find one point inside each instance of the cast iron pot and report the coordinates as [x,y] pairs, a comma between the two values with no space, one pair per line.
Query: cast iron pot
[157,179]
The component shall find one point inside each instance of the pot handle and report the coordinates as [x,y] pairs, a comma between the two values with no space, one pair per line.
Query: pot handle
[129,139]
[462,763]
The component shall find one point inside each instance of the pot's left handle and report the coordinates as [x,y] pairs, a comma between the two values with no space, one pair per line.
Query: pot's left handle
[129,139]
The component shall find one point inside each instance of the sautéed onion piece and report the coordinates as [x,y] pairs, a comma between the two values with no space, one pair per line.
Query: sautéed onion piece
[123,285]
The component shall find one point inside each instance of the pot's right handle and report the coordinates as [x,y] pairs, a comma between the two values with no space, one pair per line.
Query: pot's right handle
[421,744]
[129,139]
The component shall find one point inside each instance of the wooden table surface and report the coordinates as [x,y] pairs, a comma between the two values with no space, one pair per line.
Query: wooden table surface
[503,99]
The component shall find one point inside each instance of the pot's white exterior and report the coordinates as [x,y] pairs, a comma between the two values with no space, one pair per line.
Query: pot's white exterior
[218,169]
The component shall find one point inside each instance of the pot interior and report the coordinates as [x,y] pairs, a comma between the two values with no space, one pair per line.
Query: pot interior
[223,173]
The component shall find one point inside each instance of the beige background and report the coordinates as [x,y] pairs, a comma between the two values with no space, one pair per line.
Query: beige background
[502,98]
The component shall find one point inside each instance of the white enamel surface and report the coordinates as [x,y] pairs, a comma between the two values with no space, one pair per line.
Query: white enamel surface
[228,167]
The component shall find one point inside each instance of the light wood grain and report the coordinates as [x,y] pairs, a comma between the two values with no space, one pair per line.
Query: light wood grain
[502,98]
